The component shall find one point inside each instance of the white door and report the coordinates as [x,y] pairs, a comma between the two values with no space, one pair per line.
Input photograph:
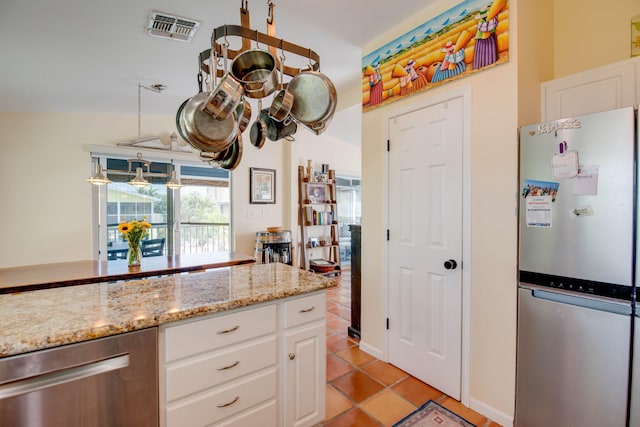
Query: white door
[425,244]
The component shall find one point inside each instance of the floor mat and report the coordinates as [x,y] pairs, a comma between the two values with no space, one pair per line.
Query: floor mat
[431,414]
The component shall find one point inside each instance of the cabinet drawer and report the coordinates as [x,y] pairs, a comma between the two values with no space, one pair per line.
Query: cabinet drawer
[211,406]
[264,415]
[306,309]
[209,370]
[203,335]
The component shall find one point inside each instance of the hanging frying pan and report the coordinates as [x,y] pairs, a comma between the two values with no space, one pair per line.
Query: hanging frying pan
[315,100]
[203,131]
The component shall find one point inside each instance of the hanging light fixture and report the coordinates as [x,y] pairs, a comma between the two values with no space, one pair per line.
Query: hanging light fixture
[140,175]
[174,183]
[139,181]
[99,178]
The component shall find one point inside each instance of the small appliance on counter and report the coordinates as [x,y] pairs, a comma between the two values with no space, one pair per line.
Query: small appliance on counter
[273,245]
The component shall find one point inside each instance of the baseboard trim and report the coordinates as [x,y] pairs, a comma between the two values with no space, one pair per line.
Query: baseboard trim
[490,412]
[374,351]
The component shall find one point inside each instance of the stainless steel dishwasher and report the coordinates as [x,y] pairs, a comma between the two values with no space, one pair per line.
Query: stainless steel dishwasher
[109,381]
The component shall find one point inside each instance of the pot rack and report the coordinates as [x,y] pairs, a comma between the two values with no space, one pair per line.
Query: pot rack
[250,35]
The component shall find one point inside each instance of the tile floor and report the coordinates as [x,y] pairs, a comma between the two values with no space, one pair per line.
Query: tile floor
[363,391]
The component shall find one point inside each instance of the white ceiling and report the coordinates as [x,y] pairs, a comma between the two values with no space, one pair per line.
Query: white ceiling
[89,56]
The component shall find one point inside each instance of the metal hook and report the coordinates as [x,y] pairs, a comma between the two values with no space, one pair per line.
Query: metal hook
[270,13]
[257,39]
[282,56]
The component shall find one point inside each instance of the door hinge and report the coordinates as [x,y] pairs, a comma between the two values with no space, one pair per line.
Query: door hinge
[388,145]
[387,323]
[388,235]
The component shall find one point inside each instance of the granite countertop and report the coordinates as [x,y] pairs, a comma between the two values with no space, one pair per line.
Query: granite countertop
[48,318]
[44,276]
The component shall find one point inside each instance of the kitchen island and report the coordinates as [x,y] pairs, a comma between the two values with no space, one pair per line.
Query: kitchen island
[45,276]
[224,332]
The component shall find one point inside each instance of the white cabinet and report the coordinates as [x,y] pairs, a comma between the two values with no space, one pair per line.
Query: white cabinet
[604,88]
[220,369]
[258,366]
[304,361]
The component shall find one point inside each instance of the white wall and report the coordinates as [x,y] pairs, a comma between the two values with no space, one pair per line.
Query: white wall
[46,203]
[493,222]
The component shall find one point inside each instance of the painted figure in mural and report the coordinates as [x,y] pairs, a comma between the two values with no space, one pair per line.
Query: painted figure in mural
[375,85]
[452,65]
[418,81]
[486,50]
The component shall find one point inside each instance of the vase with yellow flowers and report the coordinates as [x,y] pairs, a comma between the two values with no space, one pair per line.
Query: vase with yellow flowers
[134,231]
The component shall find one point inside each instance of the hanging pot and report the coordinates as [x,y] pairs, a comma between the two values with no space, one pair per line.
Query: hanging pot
[315,100]
[203,131]
[179,121]
[256,70]
[243,112]
[224,99]
[281,106]
[278,130]
[233,155]
[282,100]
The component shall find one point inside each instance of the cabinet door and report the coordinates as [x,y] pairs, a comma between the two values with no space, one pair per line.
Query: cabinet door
[305,375]
[599,89]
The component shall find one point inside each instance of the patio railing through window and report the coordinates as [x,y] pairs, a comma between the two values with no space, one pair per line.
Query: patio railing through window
[195,237]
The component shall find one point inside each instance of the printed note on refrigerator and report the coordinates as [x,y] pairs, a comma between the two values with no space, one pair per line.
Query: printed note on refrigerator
[586,182]
[564,165]
[538,211]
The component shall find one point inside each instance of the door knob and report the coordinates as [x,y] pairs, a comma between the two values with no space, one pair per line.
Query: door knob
[450,264]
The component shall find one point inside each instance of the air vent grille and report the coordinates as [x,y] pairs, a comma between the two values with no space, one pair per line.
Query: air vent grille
[166,25]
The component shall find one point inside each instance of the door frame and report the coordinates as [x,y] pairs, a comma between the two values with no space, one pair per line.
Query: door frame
[425,101]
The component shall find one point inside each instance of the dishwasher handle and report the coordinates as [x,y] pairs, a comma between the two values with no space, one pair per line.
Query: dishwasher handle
[565,297]
[63,376]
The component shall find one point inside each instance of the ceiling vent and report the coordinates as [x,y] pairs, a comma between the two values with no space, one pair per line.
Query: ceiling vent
[173,27]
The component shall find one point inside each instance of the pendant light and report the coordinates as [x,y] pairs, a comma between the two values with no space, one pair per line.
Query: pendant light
[99,178]
[174,183]
[139,181]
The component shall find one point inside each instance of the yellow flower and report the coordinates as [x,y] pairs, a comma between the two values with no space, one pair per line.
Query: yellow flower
[124,227]
[145,224]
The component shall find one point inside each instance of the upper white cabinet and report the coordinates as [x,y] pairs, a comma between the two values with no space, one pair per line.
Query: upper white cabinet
[604,88]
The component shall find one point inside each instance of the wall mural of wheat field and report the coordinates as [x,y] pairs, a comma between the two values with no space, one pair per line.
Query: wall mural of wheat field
[467,38]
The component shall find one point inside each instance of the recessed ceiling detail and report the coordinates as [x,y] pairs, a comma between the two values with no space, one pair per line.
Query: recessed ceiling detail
[165,25]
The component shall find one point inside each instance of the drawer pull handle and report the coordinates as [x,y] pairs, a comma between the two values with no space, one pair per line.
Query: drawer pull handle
[233,365]
[313,307]
[224,405]
[226,331]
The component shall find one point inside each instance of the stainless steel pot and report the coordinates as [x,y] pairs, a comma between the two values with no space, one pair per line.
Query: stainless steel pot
[256,70]
[243,112]
[281,106]
[315,100]
[278,130]
[224,98]
[203,131]
[232,156]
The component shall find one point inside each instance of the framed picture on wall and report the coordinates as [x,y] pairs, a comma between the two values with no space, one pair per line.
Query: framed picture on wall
[262,185]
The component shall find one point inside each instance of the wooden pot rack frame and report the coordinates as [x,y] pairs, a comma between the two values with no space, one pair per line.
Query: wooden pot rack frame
[248,36]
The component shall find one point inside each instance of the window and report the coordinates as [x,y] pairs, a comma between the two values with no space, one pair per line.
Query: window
[349,198]
[194,219]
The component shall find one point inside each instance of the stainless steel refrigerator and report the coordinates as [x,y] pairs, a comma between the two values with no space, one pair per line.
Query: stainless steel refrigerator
[577,267]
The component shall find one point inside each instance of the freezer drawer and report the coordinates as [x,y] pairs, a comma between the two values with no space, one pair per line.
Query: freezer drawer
[634,420]
[572,360]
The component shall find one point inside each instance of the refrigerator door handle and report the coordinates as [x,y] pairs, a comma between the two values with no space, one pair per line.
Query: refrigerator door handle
[564,297]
